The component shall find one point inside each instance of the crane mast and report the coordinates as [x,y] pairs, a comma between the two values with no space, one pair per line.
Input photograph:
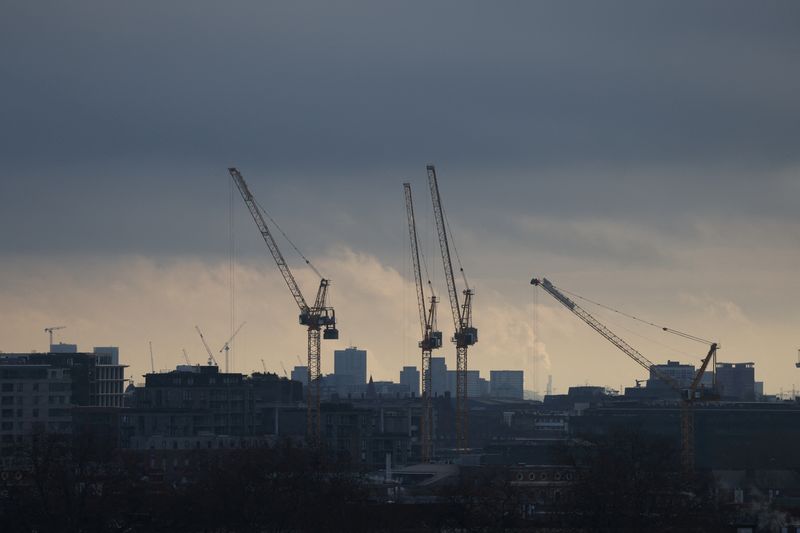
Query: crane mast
[687,395]
[320,320]
[465,334]
[431,339]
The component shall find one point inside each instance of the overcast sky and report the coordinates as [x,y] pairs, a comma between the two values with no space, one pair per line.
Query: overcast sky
[643,154]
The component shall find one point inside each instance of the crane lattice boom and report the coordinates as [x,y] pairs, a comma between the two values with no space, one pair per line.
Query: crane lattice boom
[465,334]
[595,324]
[431,339]
[315,318]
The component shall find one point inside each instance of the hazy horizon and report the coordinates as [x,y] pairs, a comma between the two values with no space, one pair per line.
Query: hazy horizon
[641,155]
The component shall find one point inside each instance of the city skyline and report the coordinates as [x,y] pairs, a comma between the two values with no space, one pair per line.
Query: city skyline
[618,171]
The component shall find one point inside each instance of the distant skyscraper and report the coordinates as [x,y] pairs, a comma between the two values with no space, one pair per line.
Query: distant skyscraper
[506,384]
[409,376]
[736,381]
[438,376]
[474,389]
[350,369]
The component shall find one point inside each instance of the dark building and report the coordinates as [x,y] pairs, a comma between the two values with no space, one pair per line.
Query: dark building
[194,403]
[736,381]
[60,393]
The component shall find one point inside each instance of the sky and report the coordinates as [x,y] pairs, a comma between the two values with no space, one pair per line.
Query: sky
[641,154]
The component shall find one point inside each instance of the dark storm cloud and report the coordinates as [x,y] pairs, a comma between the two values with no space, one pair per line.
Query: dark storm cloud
[118,120]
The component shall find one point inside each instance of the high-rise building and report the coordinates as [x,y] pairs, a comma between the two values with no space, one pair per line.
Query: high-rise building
[350,369]
[474,389]
[109,386]
[506,384]
[683,374]
[736,381]
[438,376]
[409,377]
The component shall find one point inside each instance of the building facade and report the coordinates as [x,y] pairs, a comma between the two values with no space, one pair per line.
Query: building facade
[438,376]
[506,384]
[409,377]
[350,371]
[736,381]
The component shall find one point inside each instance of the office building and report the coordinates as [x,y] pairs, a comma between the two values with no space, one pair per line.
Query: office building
[350,369]
[475,389]
[109,384]
[409,377]
[185,406]
[736,381]
[34,398]
[506,384]
[438,376]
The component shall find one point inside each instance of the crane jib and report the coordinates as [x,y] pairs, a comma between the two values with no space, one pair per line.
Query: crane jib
[258,218]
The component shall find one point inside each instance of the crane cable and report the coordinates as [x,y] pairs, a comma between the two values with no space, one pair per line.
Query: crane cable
[663,328]
[453,242]
[296,249]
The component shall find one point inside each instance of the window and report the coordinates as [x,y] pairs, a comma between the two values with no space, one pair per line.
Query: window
[8,387]
[532,476]
[7,426]
[7,400]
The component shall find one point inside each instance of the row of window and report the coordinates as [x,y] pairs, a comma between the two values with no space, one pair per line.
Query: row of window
[35,387]
[36,400]
[545,476]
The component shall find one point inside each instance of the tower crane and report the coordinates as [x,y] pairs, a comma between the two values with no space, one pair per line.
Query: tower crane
[431,338]
[465,334]
[50,330]
[688,395]
[319,318]
[211,359]
[227,346]
[186,357]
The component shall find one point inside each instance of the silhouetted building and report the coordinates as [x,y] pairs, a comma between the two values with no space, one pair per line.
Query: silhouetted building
[506,384]
[200,401]
[475,389]
[409,377]
[63,347]
[34,398]
[300,373]
[736,381]
[438,376]
[390,389]
[350,371]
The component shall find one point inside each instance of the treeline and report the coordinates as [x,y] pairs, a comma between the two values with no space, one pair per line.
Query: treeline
[627,482]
